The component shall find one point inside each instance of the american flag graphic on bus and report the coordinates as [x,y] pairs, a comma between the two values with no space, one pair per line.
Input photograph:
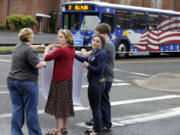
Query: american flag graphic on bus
[152,40]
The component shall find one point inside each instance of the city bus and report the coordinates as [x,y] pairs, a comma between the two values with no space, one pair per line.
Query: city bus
[134,29]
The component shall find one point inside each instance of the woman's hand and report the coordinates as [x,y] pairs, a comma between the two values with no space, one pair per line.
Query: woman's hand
[85,64]
[47,49]
[57,45]
[41,64]
[50,47]
[84,52]
[43,46]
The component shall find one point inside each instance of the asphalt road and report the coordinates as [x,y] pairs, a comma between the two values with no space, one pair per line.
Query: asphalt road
[135,110]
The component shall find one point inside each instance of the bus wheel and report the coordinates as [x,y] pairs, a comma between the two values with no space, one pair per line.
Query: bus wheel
[122,51]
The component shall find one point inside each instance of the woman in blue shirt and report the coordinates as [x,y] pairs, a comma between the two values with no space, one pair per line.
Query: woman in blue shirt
[95,64]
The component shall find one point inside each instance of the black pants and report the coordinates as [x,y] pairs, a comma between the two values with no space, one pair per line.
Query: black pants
[95,90]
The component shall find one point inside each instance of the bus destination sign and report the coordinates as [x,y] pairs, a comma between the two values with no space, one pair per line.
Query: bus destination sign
[79,7]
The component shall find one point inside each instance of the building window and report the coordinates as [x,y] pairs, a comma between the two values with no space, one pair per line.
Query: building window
[156,3]
[125,2]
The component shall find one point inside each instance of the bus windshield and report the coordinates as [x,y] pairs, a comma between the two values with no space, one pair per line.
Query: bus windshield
[71,21]
[89,22]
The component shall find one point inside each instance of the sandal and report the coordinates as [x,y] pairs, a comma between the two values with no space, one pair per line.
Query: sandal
[58,132]
[53,132]
[64,131]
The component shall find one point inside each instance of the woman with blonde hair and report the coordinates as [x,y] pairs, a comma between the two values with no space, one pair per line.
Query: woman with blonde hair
[59,102]
[22,82]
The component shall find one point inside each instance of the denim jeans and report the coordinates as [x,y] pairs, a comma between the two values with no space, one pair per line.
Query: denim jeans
[24,97]
[95,90]
[106,105]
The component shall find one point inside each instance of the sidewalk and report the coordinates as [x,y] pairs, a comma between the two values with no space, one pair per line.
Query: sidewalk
[163,81]
[11,38]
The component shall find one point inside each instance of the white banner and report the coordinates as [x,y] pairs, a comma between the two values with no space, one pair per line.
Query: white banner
[77,80]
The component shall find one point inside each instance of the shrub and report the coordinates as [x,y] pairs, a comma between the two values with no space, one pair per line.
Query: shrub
[16,21]
[3,27]
[28,21]
[20,21]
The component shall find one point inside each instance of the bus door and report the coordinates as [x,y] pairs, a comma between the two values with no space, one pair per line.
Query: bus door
[89,22]
[122,25]
[137,35]
[81,25]
[70,21]
[153,32]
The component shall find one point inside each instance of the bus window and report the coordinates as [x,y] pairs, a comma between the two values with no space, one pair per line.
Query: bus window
[123,19]
[153,21]
[89,22]
[173,23]
[164,25]
[139,20]
[65,21]
[109,19]
[71,21]
[178,23]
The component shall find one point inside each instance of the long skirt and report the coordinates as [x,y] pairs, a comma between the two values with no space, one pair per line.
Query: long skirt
[59,102]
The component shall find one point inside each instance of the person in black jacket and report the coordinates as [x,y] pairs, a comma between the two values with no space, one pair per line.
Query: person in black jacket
[95,64]
[104,30]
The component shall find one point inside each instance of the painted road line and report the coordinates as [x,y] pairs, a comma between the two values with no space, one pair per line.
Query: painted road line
[116,80]
[148,116]
[3,60]
[114,84]
[4,92]
[81,108]
[3,86]
[148,61]
[133,119]
[83,86]
[144,100]
[132,72]
[76,108]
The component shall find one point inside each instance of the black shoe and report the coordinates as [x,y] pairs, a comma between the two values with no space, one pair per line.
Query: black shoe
[89,123]
[88,131]
[105,129]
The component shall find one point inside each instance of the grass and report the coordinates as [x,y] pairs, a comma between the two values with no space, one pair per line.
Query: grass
[134,82]
[5,50]
[178,72]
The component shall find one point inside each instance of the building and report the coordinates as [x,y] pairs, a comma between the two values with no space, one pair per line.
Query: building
[41,9]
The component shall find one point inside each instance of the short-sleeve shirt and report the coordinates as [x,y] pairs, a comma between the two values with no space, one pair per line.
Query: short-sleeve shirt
[23,65]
